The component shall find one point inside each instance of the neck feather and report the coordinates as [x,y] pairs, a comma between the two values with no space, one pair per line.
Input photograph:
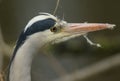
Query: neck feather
[20,69]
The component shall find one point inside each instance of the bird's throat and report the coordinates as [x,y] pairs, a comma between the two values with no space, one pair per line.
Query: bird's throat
[20,69]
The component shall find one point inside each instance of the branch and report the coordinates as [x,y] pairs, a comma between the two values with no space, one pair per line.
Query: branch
[2,77]
[1,51]
[93,69]
[5,49]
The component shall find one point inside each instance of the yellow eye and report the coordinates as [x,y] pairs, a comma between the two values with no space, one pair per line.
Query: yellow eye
[53,29]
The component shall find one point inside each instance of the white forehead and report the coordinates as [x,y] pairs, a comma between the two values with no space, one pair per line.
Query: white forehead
[42,16]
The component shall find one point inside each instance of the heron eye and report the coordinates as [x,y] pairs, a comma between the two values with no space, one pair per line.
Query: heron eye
[53,29]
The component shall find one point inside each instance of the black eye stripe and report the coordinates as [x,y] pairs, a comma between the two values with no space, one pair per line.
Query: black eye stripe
[40,26]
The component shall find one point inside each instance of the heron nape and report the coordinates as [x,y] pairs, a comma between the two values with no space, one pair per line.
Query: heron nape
[40,30]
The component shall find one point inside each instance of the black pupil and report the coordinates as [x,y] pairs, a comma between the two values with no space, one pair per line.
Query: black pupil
[54,29]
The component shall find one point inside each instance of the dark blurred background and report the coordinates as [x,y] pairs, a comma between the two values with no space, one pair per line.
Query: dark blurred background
[74,54]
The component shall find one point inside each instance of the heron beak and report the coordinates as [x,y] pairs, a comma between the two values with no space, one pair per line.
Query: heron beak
[71,30]
[86,27]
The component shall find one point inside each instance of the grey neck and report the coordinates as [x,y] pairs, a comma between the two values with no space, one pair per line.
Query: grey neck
[20,69]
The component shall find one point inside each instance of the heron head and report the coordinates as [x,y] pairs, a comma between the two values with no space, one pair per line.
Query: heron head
[47,28]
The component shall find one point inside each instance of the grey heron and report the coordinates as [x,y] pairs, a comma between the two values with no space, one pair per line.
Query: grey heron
[40,30]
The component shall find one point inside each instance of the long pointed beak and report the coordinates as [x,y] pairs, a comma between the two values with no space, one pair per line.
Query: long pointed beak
[86,27]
